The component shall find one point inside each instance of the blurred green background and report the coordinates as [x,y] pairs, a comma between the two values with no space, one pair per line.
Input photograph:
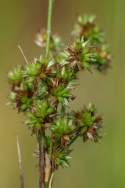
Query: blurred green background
[93,165]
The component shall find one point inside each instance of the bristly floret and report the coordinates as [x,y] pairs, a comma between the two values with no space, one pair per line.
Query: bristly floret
[87,28]
[56,43]
[89,48]
[84,55]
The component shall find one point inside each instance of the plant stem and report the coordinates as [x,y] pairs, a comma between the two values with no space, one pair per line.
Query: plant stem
[41,161]
[42,164]
[50,6]
[51,180]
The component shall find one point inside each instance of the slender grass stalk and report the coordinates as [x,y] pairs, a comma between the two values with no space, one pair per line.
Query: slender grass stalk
[20,164]
[41,164]
[42,183]
[25,58]
[51,180]
[50,6]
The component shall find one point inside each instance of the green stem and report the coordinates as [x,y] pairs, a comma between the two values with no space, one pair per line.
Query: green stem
[49,26]
[42,183]
[46,185]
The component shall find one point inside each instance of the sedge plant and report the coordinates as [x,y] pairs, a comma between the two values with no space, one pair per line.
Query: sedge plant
[43,89]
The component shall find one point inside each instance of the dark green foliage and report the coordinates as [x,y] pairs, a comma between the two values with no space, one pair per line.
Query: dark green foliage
[43,89]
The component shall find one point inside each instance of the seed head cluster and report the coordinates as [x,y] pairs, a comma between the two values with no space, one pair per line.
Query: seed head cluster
[42,89]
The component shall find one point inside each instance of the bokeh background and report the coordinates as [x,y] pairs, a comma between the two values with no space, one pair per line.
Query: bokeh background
[93,165]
